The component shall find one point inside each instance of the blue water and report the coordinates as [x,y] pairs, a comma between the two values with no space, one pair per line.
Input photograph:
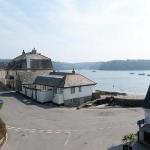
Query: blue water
[121,81]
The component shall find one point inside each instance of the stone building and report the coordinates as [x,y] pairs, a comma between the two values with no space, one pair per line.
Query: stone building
[25,68]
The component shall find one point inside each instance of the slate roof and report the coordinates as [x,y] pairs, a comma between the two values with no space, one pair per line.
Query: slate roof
[29,77]
[63,80]
[37,61]
[49,81]
[147,99]
[31,55]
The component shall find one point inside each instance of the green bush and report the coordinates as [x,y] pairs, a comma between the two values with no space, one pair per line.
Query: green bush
[129,138]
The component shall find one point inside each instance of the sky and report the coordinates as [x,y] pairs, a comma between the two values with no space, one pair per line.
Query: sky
[76,30]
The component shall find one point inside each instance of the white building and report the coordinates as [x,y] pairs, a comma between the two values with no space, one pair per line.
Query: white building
[69,89]
[144,124]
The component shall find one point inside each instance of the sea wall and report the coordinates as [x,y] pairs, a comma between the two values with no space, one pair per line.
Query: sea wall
[122,101]
[129,102]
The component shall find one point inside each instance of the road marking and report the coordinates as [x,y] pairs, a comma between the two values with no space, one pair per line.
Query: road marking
[58,131]
[49,132]
[33,130]
[68,132]
[67,140]
[26,130]
[41,131]
[17,129]
[12,127]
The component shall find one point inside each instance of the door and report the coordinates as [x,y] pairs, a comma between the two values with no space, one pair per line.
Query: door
[147,137]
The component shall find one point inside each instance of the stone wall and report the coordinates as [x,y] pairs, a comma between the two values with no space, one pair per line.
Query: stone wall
[129,102]
[76,101]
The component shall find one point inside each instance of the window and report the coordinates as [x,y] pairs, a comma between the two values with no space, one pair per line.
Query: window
[80,89]
[72,90]
[44,87]
[60,90]
[147,137]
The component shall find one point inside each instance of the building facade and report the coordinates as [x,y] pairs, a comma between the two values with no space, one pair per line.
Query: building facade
[32,75]
[144,124]
[69,89]
[24,69]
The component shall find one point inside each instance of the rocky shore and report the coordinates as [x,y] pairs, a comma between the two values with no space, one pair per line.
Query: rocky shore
[114,99]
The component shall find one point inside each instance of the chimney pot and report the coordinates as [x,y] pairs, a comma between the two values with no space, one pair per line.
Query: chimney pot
[73,71]
[23,52]
[34,51]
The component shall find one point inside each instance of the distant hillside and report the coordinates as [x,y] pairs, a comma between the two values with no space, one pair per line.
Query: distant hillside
[69,66]
[109,65]
[126,65]
[3,63]
[61,65]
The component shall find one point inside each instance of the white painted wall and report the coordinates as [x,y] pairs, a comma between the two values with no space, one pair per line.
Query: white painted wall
[58,99]
[23,90]
[44,96]
[86,91]
[29,93]
[147,116]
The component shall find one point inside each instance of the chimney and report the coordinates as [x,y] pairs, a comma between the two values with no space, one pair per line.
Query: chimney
[73,71]
[23,52]
[34,51]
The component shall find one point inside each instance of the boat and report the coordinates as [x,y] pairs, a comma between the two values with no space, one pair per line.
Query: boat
[132,73]
[141,74]
[148,74]
[93,71]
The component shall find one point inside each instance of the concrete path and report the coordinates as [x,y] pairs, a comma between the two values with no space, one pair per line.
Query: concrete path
[44,127]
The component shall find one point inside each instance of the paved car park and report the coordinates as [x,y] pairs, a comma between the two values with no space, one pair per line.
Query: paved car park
[35,126]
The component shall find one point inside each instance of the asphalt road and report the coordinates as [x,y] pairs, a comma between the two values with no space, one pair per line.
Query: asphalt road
[32,126]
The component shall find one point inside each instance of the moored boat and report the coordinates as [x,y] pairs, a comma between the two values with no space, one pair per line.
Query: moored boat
[141,74]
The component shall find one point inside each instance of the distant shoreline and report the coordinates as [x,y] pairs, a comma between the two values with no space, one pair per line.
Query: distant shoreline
[124,94]
[114,65]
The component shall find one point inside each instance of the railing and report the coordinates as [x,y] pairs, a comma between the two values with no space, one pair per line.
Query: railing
[141,122]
